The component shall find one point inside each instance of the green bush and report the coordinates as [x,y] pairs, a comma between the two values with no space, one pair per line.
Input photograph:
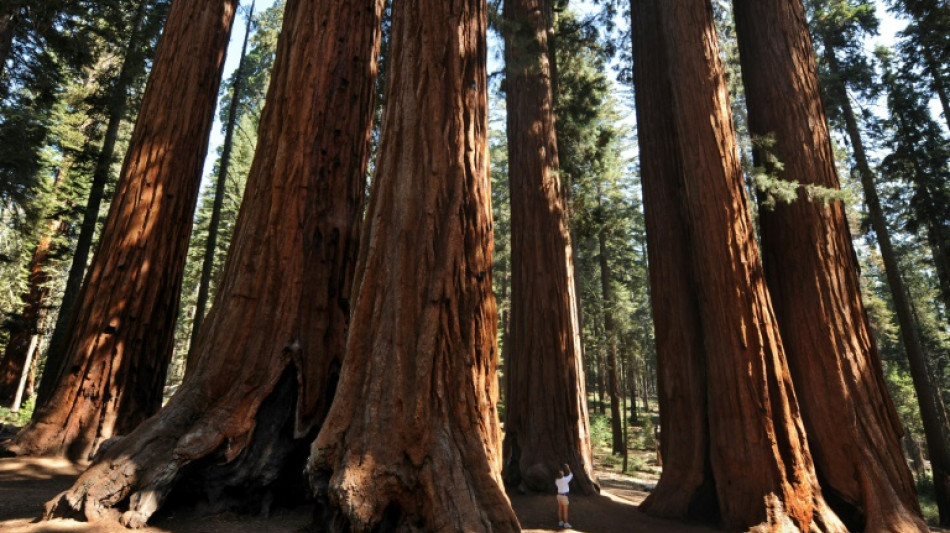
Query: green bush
[18,419]
[600,430]
[928,499]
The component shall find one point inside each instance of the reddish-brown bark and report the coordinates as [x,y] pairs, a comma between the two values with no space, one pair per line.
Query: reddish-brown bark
[927,399]
[133,66]
[760,461]
[270,349]
[685,489]
[546,422]
[853,429]
[412,442]
[29,321]
[121,337]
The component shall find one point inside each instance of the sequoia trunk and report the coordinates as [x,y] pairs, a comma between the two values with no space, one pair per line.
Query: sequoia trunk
[412,442]
[760,461]
[132,67]
[121,338]
[270,350]
[812,275]
[927,399]
[546,421]
[685,488]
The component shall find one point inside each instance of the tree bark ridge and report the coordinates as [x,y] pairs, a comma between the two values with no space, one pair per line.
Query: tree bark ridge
[412,441]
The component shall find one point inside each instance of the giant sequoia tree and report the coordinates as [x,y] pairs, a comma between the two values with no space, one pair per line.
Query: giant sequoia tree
[144,28]
[685,490]
[270,349]
[412,441]
[546,407]
[121,334]
[810,267]
[758,457]
[835,30]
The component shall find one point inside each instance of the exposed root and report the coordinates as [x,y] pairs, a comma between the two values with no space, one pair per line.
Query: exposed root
[179,449]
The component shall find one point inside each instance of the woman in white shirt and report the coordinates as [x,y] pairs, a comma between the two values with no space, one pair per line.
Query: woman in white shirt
[563,488]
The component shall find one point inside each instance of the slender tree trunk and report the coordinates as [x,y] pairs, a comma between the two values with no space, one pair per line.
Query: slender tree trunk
[927,396]
[616,417]
[685,488]
[27,324]
[625,391]
[132,67]
[418,391]
[270,350]
[812,275]
[601,363]
[121,337]
[631,377]
[645,389]
[760,461]
[207,265]
[25,376]
[504,336]
[546,367]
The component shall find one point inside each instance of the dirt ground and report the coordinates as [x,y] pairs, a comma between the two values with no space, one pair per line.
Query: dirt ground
[26,485]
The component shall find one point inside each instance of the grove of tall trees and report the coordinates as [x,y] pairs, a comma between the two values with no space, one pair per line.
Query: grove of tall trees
[268,356]
[441,250]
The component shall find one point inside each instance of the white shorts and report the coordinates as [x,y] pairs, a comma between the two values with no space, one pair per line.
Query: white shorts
[562,499]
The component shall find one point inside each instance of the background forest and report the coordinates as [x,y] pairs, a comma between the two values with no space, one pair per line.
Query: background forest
[72,78]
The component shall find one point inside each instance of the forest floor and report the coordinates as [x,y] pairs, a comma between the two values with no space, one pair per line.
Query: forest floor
[27,484]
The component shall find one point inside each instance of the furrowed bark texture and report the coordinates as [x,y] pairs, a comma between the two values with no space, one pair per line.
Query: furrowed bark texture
[121,338]
[763,470]
[27,325]
[269,351]
[412,442]
[133,66]
[927,399]
[685,488]
[810,266]
[546,422]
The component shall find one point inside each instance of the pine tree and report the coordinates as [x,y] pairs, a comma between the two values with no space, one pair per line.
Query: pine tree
[837,28]
[920,155]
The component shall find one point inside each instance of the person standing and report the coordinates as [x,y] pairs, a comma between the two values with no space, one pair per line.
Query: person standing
[564,477]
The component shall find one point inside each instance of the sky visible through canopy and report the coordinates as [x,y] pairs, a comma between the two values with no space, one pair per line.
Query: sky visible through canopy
[888,31]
